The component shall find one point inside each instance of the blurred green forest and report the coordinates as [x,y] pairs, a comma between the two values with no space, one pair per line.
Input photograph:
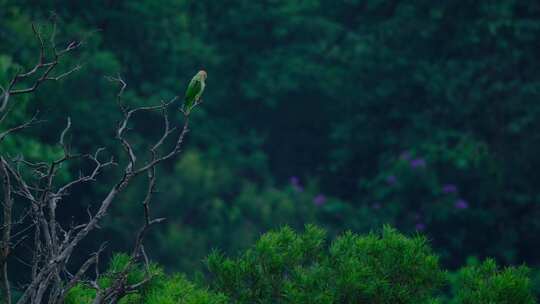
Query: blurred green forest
[347,114]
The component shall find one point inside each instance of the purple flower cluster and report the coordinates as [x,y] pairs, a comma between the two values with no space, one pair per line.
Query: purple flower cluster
[415,163]
[420,225]
[449,188]
[391,180]
[418,163]
[405,155]
[319,199]
[461,204]
[295,183]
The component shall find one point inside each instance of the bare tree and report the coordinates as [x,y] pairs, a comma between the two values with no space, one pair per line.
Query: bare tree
[39,193]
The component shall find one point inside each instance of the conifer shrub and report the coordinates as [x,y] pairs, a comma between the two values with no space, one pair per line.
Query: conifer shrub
[160,289]
[284,266]
[486,283]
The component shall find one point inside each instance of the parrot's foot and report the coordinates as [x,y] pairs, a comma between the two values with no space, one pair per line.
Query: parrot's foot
[198,102]
[186,113]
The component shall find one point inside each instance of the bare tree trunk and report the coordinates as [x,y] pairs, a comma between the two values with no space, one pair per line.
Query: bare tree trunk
[6,235]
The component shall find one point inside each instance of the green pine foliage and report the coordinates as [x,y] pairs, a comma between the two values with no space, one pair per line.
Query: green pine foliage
[487,283]
[284,266]
[386,268]
[160,289]
[287,267]
[271,270]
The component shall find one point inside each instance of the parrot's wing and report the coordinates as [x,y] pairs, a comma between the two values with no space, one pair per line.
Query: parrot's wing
[200,91]
[193,89]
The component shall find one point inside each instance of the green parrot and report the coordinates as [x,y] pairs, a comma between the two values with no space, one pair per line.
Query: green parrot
[194,91]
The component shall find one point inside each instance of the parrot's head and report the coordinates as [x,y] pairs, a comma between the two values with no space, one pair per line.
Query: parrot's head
[202,75]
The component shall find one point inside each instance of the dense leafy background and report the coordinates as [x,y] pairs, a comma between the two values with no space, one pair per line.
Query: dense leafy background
[348,114]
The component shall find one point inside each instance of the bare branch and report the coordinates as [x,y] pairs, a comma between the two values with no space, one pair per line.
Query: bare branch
[75,279]
[41,66]
[65,74]
[36,184]
[63,135]
[27,124]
